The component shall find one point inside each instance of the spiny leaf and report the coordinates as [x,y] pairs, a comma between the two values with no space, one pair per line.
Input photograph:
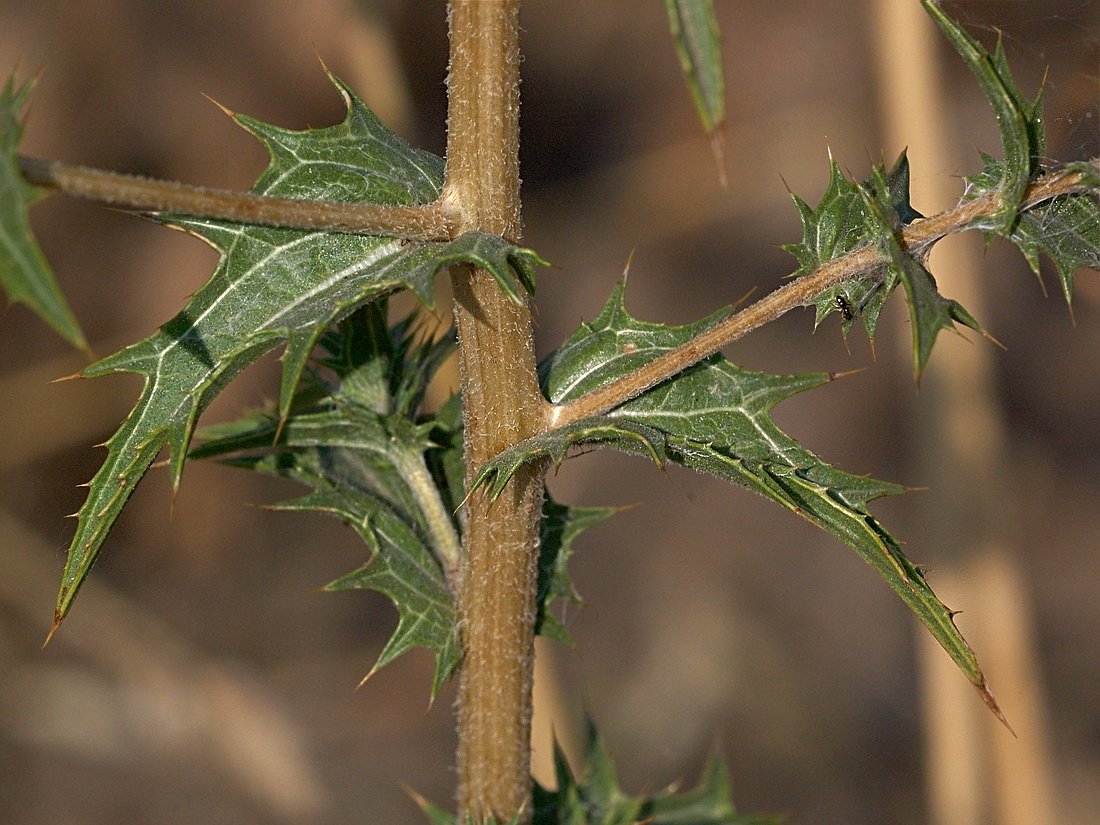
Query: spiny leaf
[332,453]
[383,368]
[929,312]
[698,44]
[714,417]
[560,526]
[843,222]
[24,274]
[400,565]
[595,798]
[361,447]
[273,287]
[509,264]
[611,345]
[1020,121]
[625,435]
[853,215]
[375,462]
[1066,228]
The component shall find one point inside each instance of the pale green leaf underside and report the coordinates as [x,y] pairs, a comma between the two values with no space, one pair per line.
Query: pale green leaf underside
[25,276]
[352,459]
[401,565]
[354,470]
[273,287]
[714,417]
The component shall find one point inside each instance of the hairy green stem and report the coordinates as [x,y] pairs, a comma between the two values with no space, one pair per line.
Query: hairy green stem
[803,292]
[502,405]
[139,194]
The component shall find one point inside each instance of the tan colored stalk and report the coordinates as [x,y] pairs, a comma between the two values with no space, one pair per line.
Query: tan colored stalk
[429,223]
[502,405]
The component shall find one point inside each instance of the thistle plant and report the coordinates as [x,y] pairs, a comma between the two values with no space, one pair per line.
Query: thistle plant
[451,501]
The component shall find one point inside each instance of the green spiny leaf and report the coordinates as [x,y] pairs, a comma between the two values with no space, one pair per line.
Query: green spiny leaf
[1066,228]
[1020,121]
[714,417]
[611,345]
[929,312]
[273,287]
[895,184]
[854,215]
[384,368]
[24,274]
[510,265]
[595,798]
[560,526]
[554,444]
[837,226]
[358,466]
[361,447]
[843,222]
[400,565]
[395,476]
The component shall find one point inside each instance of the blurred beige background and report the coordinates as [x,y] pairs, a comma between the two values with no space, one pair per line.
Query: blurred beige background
[200,679]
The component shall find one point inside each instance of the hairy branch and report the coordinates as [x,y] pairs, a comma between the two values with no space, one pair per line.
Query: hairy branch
[917,237]
[425,223]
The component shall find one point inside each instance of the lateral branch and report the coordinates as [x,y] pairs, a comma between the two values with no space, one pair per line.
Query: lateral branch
[431,222]
[917,237]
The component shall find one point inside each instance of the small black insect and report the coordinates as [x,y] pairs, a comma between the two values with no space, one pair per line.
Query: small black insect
[844,307]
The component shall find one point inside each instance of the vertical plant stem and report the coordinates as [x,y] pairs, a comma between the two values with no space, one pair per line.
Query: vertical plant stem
[502,405]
